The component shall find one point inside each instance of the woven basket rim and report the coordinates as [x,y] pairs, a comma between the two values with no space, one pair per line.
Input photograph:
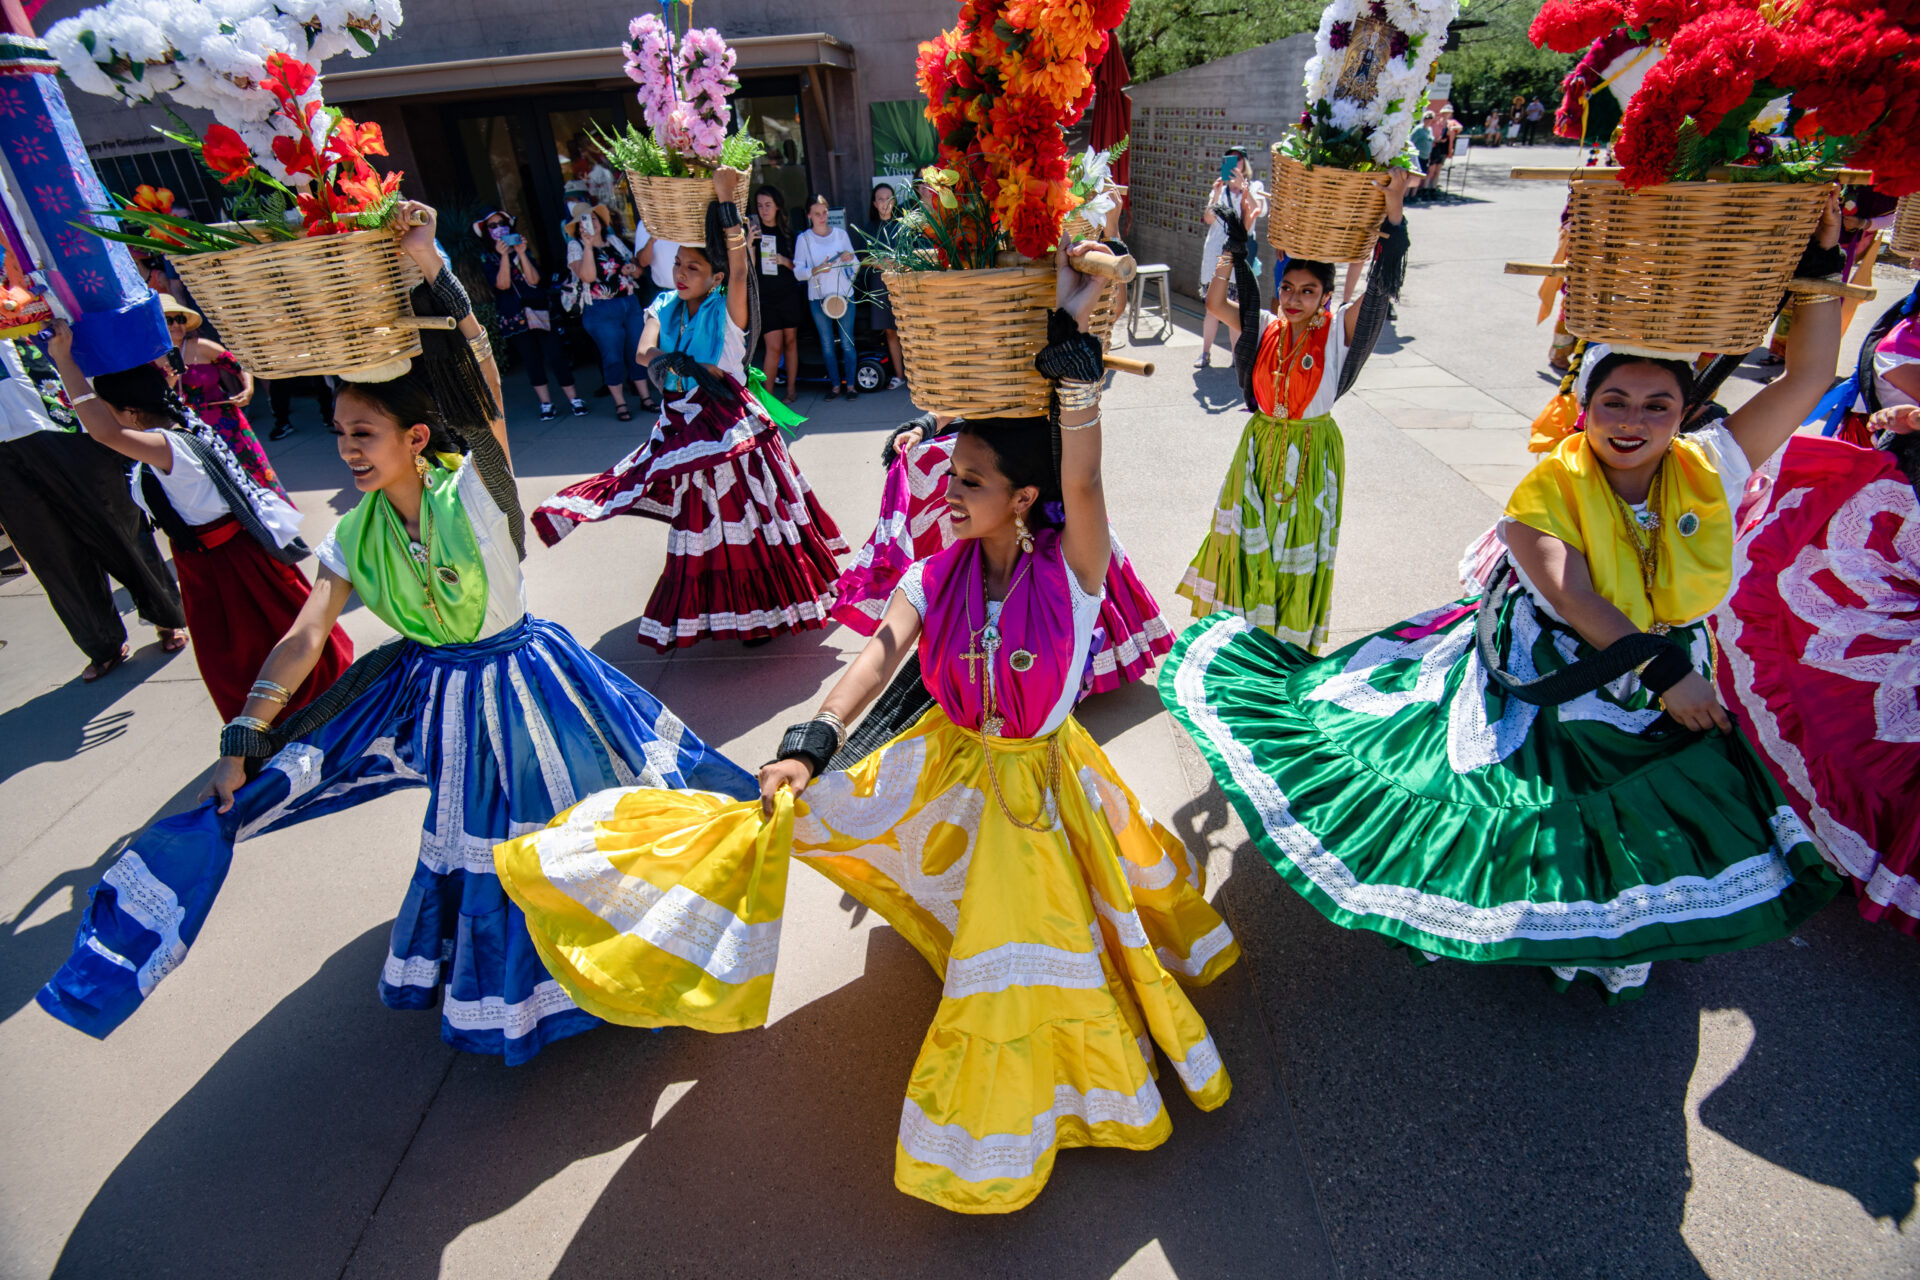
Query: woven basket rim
[264,247]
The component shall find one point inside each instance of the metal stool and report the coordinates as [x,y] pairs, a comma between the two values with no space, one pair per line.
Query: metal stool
[1157,273]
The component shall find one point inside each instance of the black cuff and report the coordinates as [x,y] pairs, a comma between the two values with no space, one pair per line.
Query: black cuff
[1820,263]
[250,744]
[729,213]
[450,296]
[812,743]
[1666,669]
[1070,355]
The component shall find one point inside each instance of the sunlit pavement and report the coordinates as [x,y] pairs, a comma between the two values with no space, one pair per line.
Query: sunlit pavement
[1755,1115]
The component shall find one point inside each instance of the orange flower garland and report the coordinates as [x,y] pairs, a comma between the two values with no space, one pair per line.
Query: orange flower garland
[1002,86]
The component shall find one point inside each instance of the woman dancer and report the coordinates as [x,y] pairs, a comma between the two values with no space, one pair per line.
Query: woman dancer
[916,521]
[215,386]
[783,299]
[992,833]
[524,307]
[1269,556]
[751,554]
[236,544]
[1819,648]
[1536,778]
[503,717]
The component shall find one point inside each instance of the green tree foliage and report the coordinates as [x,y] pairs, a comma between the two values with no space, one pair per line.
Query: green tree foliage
[1161,37]
[1494,62]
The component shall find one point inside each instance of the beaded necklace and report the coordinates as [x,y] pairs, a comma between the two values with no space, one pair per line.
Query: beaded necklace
[984,646]
[1645,538]
[419,555]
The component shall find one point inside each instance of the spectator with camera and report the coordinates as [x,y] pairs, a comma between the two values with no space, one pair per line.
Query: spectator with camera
[524,306]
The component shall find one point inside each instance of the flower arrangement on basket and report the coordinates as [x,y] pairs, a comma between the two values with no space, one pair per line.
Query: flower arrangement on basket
[685,79]
[970,300]
[1689,244]
[1852,70]
[1366,85]
[1090,179]
[306,277]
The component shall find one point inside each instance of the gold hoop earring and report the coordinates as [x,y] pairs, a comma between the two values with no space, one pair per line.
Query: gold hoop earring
[1021,535]
[420,466]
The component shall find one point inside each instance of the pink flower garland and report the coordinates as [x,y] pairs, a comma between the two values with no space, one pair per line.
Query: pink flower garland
[685,82]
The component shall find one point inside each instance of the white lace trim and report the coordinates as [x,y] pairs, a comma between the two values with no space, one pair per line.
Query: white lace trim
[1017,1155]
[936,893]
[1195,962]
[142,895]
[493,1013]
[413,971]
[1200,1066]
[1748,883]
[1615,979]
[831,802]
[1022,964]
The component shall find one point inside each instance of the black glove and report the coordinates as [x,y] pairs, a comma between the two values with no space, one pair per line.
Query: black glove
[1236,231]
[729,213]
[679,362]
[450,296]
[1819,263]
[1666,670]
[812,742]
[1070,355]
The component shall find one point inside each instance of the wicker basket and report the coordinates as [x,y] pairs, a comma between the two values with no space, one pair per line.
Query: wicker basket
[969,337]
[675,209]
[1906,228]
[321,305]
[1324,214]
[1686,266]
[1075,227]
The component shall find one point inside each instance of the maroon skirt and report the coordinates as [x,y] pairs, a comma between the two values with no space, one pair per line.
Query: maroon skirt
[239,602]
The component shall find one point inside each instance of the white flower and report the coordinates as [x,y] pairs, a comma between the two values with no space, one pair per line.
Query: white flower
[1770,116]
[1348,114]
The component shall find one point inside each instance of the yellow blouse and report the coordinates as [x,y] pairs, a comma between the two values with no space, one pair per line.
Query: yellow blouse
[1567,496]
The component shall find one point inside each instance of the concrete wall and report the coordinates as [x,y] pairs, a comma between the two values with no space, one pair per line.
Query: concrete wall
[884,35]
[1182,124]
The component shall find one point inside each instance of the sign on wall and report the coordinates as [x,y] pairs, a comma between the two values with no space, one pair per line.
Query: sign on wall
[903,140]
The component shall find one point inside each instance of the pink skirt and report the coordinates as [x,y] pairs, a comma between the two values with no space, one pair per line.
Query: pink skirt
[913,525]
[1819,658]
[750,554]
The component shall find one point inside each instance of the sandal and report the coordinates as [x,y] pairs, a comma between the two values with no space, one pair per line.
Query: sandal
[623,413]
[172,639]
[95,670]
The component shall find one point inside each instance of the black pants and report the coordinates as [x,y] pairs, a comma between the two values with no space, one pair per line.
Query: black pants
[280,393]
[1527,129]
[539,348]
[64,501]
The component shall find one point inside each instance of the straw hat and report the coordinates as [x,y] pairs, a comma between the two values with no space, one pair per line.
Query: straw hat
[172,306]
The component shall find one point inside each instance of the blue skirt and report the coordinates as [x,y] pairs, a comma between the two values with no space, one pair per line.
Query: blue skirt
[503,734]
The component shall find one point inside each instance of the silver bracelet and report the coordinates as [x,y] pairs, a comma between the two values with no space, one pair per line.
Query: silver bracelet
[1094,421]
[74,402]
[482,346]
[1078,395]
[839,725]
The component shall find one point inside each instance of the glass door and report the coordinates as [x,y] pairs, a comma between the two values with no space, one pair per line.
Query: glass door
[771,112]
[570,136]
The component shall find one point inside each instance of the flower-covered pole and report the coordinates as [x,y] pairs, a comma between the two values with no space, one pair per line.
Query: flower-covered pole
[117,321]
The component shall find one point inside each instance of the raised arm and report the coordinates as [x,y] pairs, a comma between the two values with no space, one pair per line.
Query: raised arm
[1072,362]
[418,243]
[288,664]
[150,447]
[1396,219]
[1764,423]
[726,182]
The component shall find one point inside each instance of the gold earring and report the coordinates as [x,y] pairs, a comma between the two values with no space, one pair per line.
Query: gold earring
[1021,535]
[420,466]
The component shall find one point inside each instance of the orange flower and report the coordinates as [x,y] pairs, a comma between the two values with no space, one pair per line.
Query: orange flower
[153,199]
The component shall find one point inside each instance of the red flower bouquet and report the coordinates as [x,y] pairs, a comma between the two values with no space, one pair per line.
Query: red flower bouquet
[1002,86]
[315,167]
[1850,67]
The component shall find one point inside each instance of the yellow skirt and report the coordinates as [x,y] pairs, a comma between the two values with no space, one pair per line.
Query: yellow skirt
[1062,951]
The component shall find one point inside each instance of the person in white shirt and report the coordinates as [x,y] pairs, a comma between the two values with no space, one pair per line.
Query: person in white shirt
[65,505]
[1236,176]
[823,257]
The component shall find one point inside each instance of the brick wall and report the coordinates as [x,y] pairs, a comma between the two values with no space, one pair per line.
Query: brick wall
[1182,124]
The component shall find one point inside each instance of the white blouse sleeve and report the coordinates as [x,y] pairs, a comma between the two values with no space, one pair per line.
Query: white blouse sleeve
[912,588]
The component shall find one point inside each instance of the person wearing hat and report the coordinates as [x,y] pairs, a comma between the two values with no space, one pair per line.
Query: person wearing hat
[608,275]
[214,386]
[525,310]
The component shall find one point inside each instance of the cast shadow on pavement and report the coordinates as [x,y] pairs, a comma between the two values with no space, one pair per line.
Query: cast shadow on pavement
[766,1151]
[1552,1128]
[30,956]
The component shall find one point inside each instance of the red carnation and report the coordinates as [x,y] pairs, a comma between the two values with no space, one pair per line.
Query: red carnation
[226,153]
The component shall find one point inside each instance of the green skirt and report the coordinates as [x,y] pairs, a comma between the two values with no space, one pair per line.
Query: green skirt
[1269,557]
[1398,790]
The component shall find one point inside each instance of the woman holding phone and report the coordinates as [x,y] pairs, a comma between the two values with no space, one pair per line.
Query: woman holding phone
[783,302]
[525,309]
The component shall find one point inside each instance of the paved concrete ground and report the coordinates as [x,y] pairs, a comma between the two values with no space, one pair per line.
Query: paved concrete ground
[1756,1115]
